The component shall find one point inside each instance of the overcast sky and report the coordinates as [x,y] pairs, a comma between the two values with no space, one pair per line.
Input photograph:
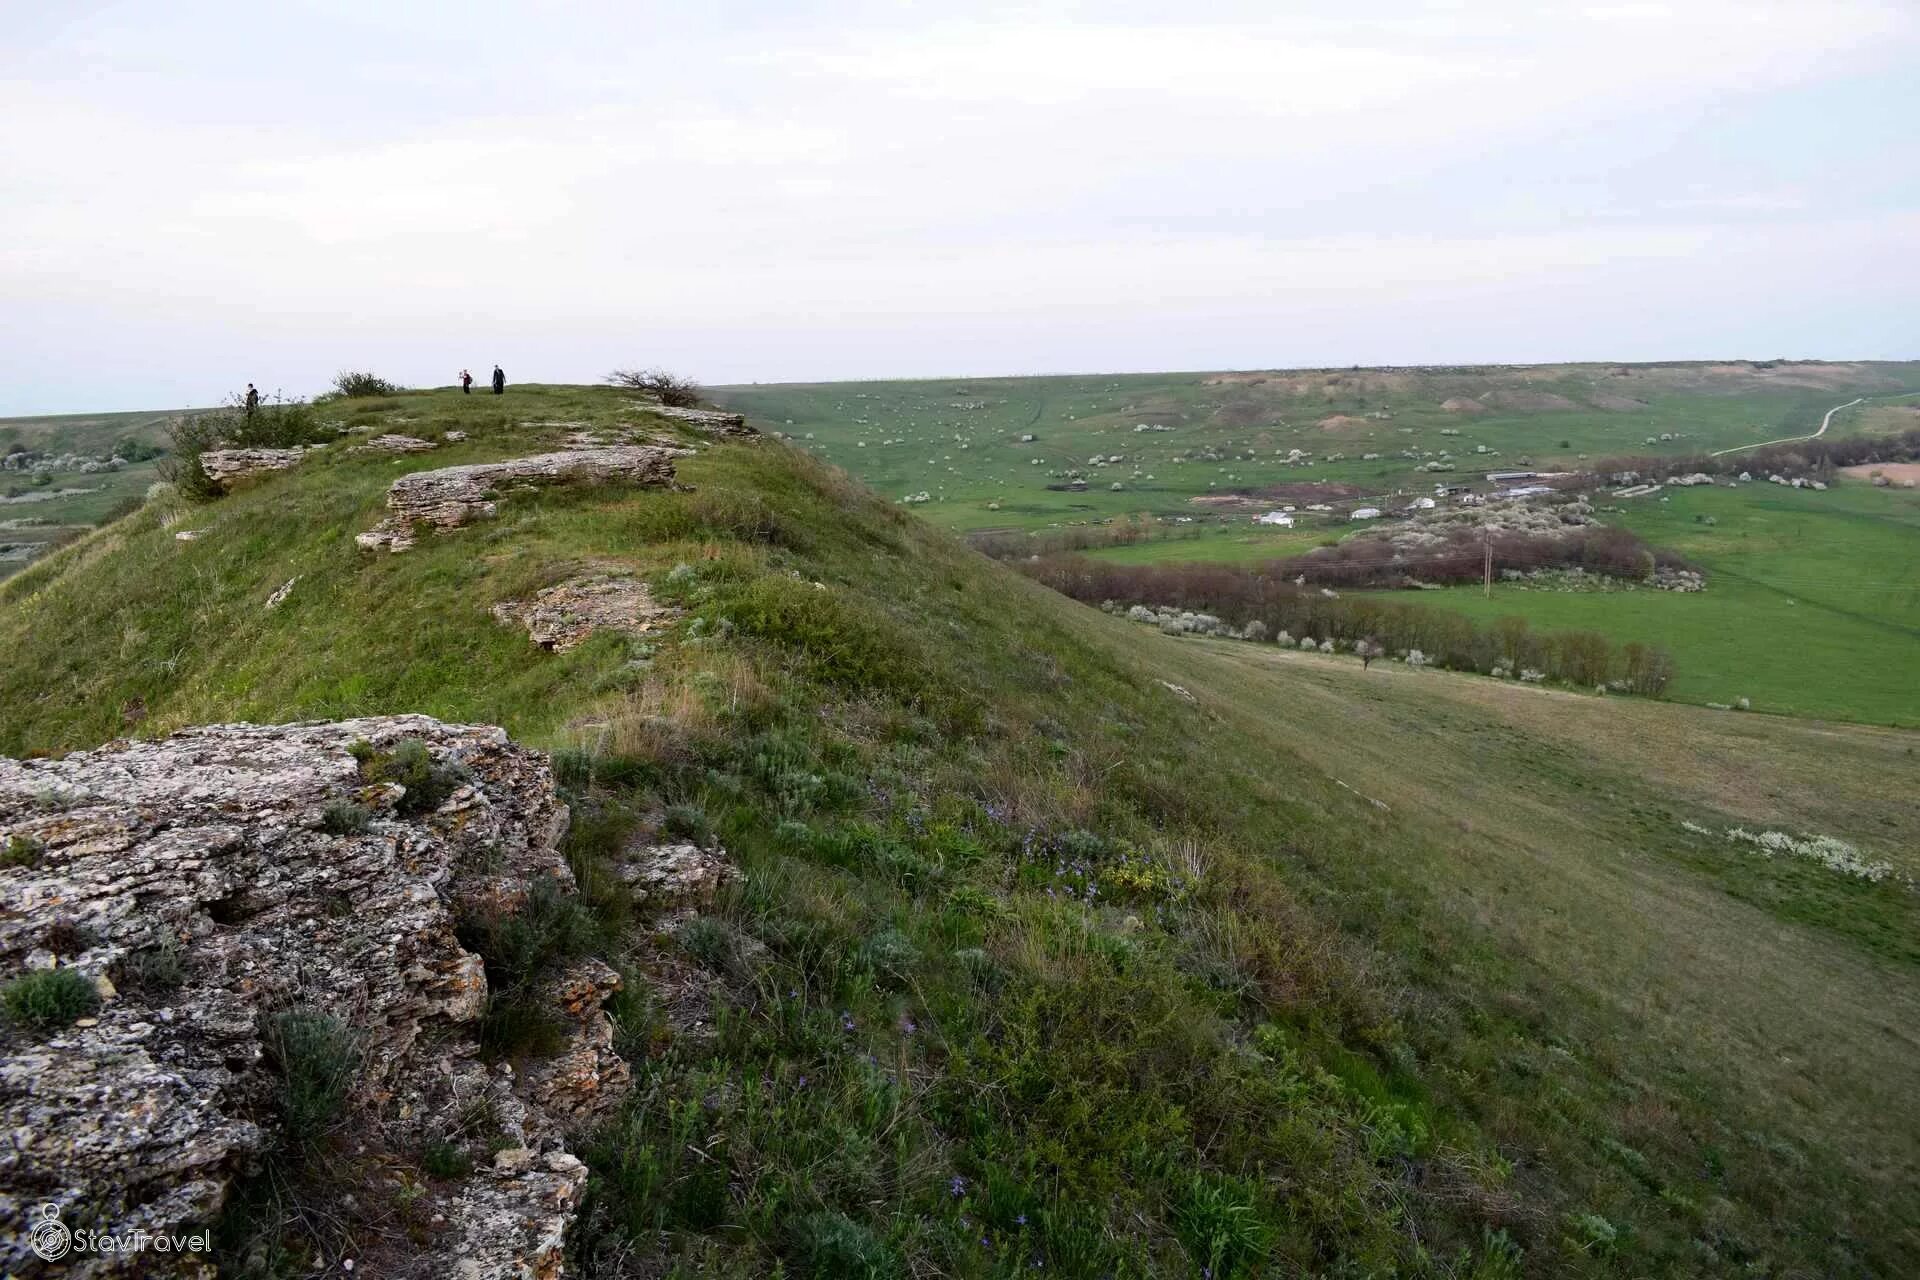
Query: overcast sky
[194,195]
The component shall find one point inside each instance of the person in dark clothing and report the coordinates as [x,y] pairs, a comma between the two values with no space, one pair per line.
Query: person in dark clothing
[466,383]
[253,400]
[499,380]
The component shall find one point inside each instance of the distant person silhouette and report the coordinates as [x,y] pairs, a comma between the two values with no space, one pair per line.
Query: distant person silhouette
[499,381]
[466,383]
[253,400]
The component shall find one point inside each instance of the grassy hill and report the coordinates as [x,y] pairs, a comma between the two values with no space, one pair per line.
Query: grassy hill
[1070,945]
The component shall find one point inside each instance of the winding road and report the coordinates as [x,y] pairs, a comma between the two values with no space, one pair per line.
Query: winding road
[1824,424]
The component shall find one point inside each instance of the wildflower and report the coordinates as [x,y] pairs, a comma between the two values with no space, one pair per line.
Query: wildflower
[803,1082]
[909,1026]
[1020,1221]
[957,1187]
[847,1023]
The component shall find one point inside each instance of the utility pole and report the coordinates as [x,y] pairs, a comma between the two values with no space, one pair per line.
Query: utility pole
[1486,541]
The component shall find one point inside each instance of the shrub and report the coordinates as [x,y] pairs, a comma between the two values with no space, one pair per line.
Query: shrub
[49,998]
[21,851]
[317,1058]
[355,386]
[831,1244]
[158,968]
[345,818]
[427,784]
[668,388]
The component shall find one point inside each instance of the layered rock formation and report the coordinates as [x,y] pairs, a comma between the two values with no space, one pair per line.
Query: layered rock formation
[711,421]
[228,876]
[453,496]
[227,467]
[565,614]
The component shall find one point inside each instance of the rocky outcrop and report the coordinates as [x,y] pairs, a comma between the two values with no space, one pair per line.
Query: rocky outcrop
[453,496]
[711,421]
[215,881]
[565,614]
[227,467]
[394,444]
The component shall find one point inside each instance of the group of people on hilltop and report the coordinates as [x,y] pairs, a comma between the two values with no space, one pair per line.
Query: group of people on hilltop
[252,398]
[499,382]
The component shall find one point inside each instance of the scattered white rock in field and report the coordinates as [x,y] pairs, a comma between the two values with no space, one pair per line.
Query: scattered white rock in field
[712,421]
[279,597]
[188,535]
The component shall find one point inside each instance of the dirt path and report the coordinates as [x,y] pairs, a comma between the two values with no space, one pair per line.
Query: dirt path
[1824,424]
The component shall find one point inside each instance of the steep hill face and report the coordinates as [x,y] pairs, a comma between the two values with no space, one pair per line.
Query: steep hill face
[1054,942]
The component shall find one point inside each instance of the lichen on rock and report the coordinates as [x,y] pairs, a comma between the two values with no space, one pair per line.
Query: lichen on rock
[221,849]
[564,615]
[452,496]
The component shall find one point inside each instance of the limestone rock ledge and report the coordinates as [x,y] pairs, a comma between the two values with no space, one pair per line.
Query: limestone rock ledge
[452,496]
[213,846]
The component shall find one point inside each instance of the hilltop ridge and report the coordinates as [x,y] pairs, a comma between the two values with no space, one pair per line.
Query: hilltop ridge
[1060,941]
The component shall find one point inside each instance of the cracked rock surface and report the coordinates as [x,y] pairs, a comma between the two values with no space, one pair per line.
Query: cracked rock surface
[452,496]
[712,421]
[564,615]
[226,466]
[213,847]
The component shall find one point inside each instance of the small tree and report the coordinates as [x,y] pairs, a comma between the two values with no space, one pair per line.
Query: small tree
[1368,649]
[355,385]
[668,388]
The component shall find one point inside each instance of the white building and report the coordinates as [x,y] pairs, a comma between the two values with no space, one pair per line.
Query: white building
[1365,513]
[1280,518]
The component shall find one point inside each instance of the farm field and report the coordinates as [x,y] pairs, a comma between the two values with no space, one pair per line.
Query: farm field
[960,441]
[1812,605]
[69,502]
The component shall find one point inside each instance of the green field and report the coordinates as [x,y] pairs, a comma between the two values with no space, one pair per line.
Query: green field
[70,502]
[958,440]
[1812,605]
[1391,972]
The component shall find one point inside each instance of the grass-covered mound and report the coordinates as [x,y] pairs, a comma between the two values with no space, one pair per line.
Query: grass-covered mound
[1063,946]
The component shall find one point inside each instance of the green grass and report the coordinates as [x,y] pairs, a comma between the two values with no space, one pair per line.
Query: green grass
[959,439]
[49,998]
[1302,970]
[1812,606]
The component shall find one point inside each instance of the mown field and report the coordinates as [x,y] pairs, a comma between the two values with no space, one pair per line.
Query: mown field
[1812,605]
[1065,946]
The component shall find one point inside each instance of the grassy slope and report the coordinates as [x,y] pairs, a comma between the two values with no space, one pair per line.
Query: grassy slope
[1812,606]
[1299,1031]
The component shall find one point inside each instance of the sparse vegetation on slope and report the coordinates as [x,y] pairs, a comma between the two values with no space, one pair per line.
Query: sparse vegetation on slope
[1059,941]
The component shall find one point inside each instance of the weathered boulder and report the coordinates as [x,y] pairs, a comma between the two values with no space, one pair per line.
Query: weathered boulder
[453,496]
[263,871]
[711,421]
[564,615]
[226,467]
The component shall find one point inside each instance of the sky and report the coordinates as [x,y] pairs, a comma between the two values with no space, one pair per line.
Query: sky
[194,195]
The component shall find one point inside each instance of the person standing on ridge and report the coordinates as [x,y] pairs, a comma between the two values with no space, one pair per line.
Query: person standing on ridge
[499,381]
[253,400]
[466,383]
